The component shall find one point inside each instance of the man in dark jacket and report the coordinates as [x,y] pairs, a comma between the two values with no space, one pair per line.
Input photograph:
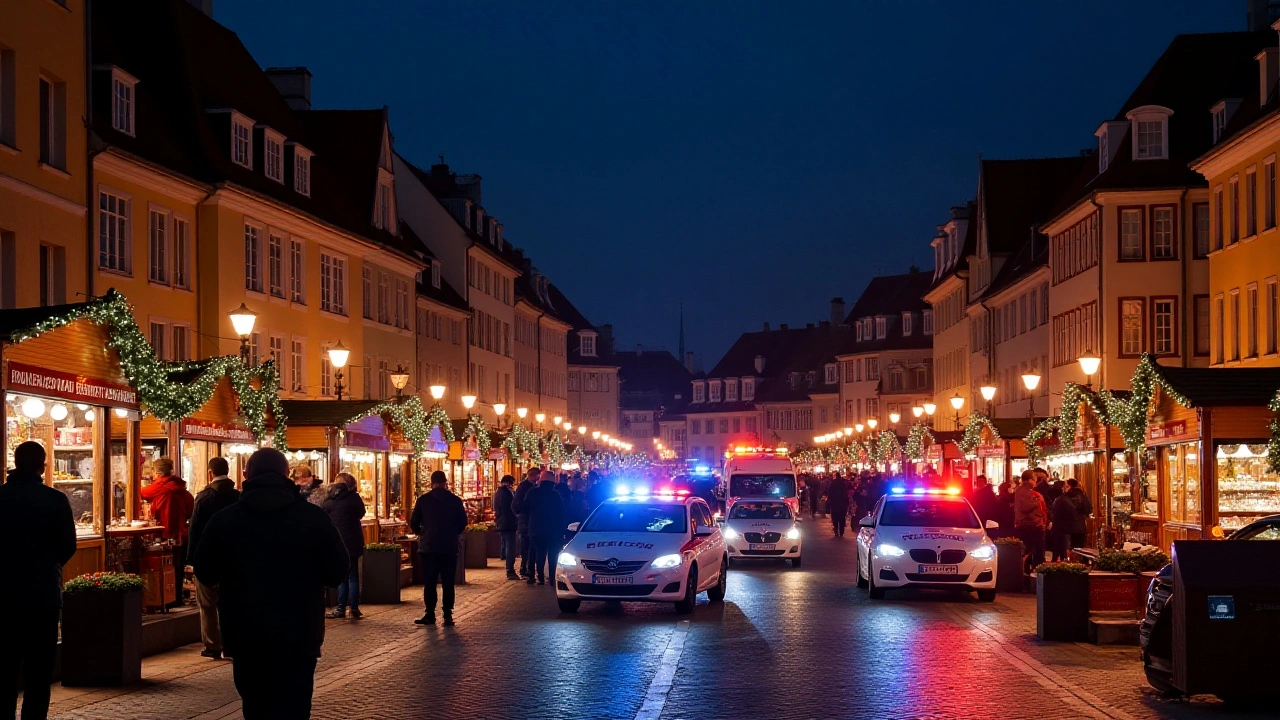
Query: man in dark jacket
[546,529]
[1063,519]
[575,510]
[838,504]
[37,537]
[520,504]
[984,500]
[506,523]
[562,487]
[346,510]
[438,519]
[271,556]
[220,493]
[1084,509]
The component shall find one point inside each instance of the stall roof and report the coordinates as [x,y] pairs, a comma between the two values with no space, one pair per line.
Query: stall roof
[1223,386]
[1013,428]
[325,413]
[23,319]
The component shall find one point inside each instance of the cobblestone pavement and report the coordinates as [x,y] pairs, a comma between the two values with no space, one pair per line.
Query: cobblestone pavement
[786,643]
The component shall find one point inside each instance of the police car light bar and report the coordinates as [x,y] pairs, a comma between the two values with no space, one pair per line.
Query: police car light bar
[926,491]
[744,450]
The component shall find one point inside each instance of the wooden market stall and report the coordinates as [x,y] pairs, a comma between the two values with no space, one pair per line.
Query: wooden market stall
[999,453]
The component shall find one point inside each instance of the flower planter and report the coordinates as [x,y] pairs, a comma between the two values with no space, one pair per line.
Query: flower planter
[380,577]
[1062,606]
[1009,577]
[475,550]
[493,544]
[1117,592]
[102,638]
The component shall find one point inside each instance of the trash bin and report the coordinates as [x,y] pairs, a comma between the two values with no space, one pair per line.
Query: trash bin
[1226,617]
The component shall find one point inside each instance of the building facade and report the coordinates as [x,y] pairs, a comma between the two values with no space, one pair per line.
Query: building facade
[948,299]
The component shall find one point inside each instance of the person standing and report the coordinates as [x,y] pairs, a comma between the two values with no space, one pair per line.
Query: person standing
[219,494]
[1030,518]
[506,523]
[438,519]
[37,537]
[1062,521]
[1084,510]
[562,487]
[984,501]
[520,504]
[346,509]
[271,555]
[838,504]
[546,530]
[171,506]
[575,510]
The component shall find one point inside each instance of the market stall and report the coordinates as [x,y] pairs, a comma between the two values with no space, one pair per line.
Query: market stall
[995,447]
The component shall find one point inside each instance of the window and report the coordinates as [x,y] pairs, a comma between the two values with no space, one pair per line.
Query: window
[1131,329]
[737,425]
[1131,234]
[587,344]
[1220,355]
[181,343]
[873,368]
[1235,324]
[1150,140]
[113,233]
[181,231]
[906,324]
[275,265]
[1202,325]
[122,86]
[1200,226]
[158,246]
[724,426]
[296,272]
[926,322]
[53,123]
[895,379]
[573,387]
[275,347]
[159,339]
[7,97]
[1251,202]
[1235,210]
[881,328]
[831,373]
[1273,314]
[297,351]
[252,258]
[715,391]
[333,284]
[1269,194]
[366,292]
[383,217]
[401,317]
[695,427]
[1252,329]
[384,298]
[241,141]
[53,275]
[326,373]
[1164,323]
[1218,218]
[748,389]
[301,170]
[1164,241]
[273,155]
[435,275]
[731,390]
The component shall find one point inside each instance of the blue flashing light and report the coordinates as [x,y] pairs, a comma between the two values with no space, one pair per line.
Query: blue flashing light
[898,490]
[642,490]
[621,489]
[702,470]
[918,491]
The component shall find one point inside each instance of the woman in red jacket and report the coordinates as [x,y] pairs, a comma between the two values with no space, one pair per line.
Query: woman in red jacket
[171,506]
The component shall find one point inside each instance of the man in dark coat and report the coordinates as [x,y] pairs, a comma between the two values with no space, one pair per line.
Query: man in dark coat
[984,501]
[271,555]
[562,487]
[598,491]
[520,504]
[438,519]
[220,493]
[838,504]
[1084,509]
[346,509]
[546,530]
[37,537]
[506,523]
[1062,519]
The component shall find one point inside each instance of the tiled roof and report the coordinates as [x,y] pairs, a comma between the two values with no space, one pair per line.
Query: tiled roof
[1223,386]
[650,379]
[968,245]
[785,351]
[566,311]
[441,184]
[1033,255]
[325,413]
[1015,195]
[892,295]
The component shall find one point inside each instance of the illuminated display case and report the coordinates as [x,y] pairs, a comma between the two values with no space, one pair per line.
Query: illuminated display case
[1182,475]
[67,431]
[1247,489]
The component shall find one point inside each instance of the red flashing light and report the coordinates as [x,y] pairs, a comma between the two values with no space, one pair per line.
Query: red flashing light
[682,492]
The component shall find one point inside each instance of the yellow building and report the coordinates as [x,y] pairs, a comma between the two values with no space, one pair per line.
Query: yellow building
[43,163]
[948,298]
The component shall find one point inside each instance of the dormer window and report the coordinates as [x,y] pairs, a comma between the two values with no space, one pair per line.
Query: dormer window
[699,392]
[435,274]
[1104,152]
[882,328]
[748,389]
[715,391]
[926,322]
[1221,114]
[273,155]
[301,170]
[1150,132]
[831,373]
[384,210]
[241,140]
[906,324]
[731,390]
[587,343]
[122,100]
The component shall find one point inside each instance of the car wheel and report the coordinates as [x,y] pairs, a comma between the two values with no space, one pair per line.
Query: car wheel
[873,592]
[795,562]
[987,595]
[862,582]
[716,594]
[685,606]
[569,606]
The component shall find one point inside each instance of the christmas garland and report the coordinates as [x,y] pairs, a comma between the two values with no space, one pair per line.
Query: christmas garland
[520,440]
[554,448]
[915,441]
[1044,429]
[477,429]
[414,422]
[887,447]
[1273,445]
[972,436]
[438,418]
[578,458]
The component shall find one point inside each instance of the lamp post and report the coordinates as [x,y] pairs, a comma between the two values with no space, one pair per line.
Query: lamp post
[468,402]
[957,402]
[338,355]
[1089,364]
[399,379]
[930,409]
[522,412]
[242,321]
[437,392]
[988,392]
[1031,381]
[499,409]
[894,419]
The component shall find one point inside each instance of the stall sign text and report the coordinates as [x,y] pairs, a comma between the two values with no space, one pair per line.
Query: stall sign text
[38,381]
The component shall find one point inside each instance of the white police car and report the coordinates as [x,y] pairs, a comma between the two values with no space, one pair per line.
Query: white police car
[761,528]
[644,547]
[925,538]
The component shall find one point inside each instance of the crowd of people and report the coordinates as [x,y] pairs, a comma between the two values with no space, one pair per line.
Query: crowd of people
[845,498]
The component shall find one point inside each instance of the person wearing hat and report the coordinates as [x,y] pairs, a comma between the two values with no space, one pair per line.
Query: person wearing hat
[271,555]
[37,537]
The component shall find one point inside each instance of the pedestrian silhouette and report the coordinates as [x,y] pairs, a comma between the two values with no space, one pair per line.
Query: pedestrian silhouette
[271,555]
[37,537]
[346,510]
[219,494]
[438,519]
[546,529]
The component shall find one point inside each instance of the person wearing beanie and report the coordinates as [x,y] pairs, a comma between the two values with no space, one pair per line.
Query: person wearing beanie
[271,555]
[438,519]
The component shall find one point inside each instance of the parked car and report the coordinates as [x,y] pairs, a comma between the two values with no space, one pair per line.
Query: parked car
[1155,635]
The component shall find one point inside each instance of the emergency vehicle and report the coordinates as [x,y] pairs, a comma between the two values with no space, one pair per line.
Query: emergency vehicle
[758,472]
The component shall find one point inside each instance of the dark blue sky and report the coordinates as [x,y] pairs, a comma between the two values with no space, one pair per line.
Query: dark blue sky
[751,159]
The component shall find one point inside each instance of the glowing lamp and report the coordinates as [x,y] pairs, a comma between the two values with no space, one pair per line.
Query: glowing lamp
[1089,363]
[872,422]
[568,426]
[894,417]
[522,412]
[242,320]
[859,427]
[595,434]
[499,409]
[988,392]
[582,429]
[1031,381]
[468,401]
[338,355]
[556,420]
[33,408]
[957,402]
[58,412]
[437,392]
[930,409]
[540,417]
[917,411]
[399,378]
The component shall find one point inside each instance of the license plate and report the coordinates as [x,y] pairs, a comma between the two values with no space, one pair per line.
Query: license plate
[763,546]
[939,569]
[612,580]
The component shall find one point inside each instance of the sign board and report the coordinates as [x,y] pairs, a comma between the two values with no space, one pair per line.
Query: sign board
[1222,607]
[77,388]
[215,432]
[1156,433]
[991,451]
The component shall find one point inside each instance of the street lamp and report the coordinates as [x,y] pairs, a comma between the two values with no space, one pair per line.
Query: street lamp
[556,421]
[1089,363]
[242,320]
[1031,381]
[538,418]
[988,392]
[957,402]
[399,379]
[859,427]
[582,429]
[917,411]
[522,412]
[437,392]
[895,417]
[468,401]
[338,355]
[499,409]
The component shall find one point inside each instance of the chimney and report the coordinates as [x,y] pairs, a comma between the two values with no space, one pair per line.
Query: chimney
[688,361]
[294,84]
[766,326]
[1267,72]
[837,310]
[759,364]
[783,326]
[639,349]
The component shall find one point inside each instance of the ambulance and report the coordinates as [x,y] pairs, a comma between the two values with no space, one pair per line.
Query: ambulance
[759,473]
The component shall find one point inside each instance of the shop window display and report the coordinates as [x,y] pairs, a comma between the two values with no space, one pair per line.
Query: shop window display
[119,469]
[366,468]
[1182,473]
[69,431]
[1247,489]
[1121,488]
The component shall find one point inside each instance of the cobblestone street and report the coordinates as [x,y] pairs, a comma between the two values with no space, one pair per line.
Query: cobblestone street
[786,643]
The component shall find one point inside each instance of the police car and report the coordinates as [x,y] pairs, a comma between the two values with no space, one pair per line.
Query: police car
[925,538]
[761,528]
[661,547]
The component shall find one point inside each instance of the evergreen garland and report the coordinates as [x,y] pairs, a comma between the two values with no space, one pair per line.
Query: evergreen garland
[477,429]
[887,447]
[916,441]
[1043,430]
[437,417]
[521,440]
[414,422]
[1273,445]
[972,436]
[554,447]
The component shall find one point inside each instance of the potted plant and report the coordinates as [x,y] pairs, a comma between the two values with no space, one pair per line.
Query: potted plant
[380,574]
[475,550]
[102,630]
[1009,576]
[1062,602]
[1116,583]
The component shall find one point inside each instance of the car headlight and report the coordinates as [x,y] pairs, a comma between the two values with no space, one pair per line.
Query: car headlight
[566,560]
[667,561]
[730,534]
[986,552]
[793,533]
[887,550]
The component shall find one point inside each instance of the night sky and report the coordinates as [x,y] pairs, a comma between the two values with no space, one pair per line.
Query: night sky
[749,159]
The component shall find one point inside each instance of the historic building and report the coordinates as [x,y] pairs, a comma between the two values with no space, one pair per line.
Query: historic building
[948,300]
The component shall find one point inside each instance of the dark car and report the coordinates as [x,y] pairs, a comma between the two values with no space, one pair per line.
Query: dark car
[1155,635]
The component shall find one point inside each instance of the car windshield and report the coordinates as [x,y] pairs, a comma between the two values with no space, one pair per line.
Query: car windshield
[1260,531]
[638,517]
[928,513]
[776,485]
[760,511]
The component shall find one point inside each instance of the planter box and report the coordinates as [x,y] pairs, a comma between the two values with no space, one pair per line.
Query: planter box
[102,639]
[1009,577]
[1062,606]
[380,578]
[1113,592]
[493,544]
[475,553]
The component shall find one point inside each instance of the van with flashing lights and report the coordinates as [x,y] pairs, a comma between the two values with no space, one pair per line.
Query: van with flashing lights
[756,472]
